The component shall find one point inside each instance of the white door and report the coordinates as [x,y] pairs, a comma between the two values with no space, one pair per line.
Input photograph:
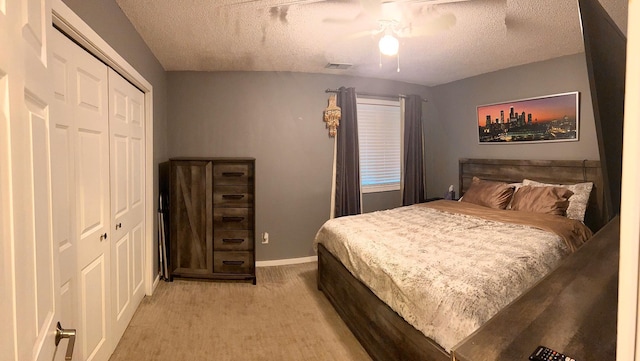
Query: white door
[81,155]
[126,128]
[63,183]
[628,341]
[29,303]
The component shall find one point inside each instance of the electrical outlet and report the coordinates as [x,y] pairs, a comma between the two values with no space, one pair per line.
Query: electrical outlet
[265,238]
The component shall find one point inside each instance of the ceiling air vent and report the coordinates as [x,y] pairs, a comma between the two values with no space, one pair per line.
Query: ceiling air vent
[338,66]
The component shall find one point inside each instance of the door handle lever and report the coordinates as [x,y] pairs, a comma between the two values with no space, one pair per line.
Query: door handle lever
[69,333]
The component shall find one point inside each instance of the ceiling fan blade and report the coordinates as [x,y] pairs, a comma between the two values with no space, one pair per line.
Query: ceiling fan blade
[432,27]
[432,2]
[361,34]
[272,3]
[373,8]
[344,20]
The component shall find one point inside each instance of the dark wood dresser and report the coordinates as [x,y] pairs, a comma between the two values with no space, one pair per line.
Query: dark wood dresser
[212,218]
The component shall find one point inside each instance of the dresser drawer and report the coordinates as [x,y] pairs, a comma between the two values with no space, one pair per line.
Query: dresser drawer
[233,196]
[232,174]
[232,240]
[233,219]
[233,262]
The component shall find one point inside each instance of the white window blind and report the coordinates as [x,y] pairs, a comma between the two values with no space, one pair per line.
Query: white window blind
[379,140]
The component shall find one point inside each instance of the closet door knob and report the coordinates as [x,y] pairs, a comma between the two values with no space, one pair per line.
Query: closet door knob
[103,237]
[118,226]
[69,333]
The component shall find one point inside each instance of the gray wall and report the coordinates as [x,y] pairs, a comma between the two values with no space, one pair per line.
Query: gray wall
[380,200]
[276,118]
[452,132]
[107,19]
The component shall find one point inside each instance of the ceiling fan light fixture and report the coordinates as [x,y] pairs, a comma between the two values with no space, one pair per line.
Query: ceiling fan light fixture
[389,45]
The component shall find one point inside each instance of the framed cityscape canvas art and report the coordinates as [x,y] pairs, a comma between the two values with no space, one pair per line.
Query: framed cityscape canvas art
[551,118]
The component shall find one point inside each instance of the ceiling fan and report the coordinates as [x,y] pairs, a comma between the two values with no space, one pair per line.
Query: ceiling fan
[400,18]
[373,9]
[396,20]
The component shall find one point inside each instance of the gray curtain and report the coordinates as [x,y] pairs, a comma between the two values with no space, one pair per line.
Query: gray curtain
[414,189]
[347,156]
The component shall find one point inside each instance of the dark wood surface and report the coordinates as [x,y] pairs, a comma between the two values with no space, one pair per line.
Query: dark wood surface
[573,310]
[387,336]
[234,240]
[605,49]
[233,195]
[234,262]
[546,171]
[381,331]
[191,224]
[212,218]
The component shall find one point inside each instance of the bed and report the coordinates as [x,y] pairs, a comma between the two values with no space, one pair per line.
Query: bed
[409,316]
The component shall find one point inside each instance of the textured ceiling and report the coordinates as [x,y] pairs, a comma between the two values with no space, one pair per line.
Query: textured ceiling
[440,40]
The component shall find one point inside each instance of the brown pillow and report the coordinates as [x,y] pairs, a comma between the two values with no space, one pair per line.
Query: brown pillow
[551,200]
[489,194]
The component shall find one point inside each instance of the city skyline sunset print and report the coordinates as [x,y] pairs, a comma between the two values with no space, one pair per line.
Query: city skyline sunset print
[551,118]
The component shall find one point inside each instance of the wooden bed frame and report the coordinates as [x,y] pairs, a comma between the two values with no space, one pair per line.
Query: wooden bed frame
[381,331]
[546,171]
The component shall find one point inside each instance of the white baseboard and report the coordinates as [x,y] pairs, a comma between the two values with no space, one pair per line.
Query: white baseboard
[283,262]
[156,281]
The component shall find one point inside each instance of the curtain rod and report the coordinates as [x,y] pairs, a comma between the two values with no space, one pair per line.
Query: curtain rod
[375,95]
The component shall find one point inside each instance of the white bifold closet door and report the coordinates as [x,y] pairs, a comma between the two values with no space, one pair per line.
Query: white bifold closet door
[126,130]
[80,162]
[97,174]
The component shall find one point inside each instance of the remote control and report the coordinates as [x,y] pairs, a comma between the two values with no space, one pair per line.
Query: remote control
[546,354]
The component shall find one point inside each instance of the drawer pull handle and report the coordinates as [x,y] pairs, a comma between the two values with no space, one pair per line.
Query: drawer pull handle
[233,196]
[232,219]
[233,263]
[232,174]
[232,240]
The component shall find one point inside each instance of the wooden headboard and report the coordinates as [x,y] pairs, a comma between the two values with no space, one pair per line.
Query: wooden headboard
[547,171]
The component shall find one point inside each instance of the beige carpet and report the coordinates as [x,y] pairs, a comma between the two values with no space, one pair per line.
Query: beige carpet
[283,318]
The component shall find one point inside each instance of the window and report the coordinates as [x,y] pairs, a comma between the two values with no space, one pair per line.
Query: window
[379,138]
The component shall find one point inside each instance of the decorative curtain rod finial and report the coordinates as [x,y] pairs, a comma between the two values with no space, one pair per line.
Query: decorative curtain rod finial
[332,116]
